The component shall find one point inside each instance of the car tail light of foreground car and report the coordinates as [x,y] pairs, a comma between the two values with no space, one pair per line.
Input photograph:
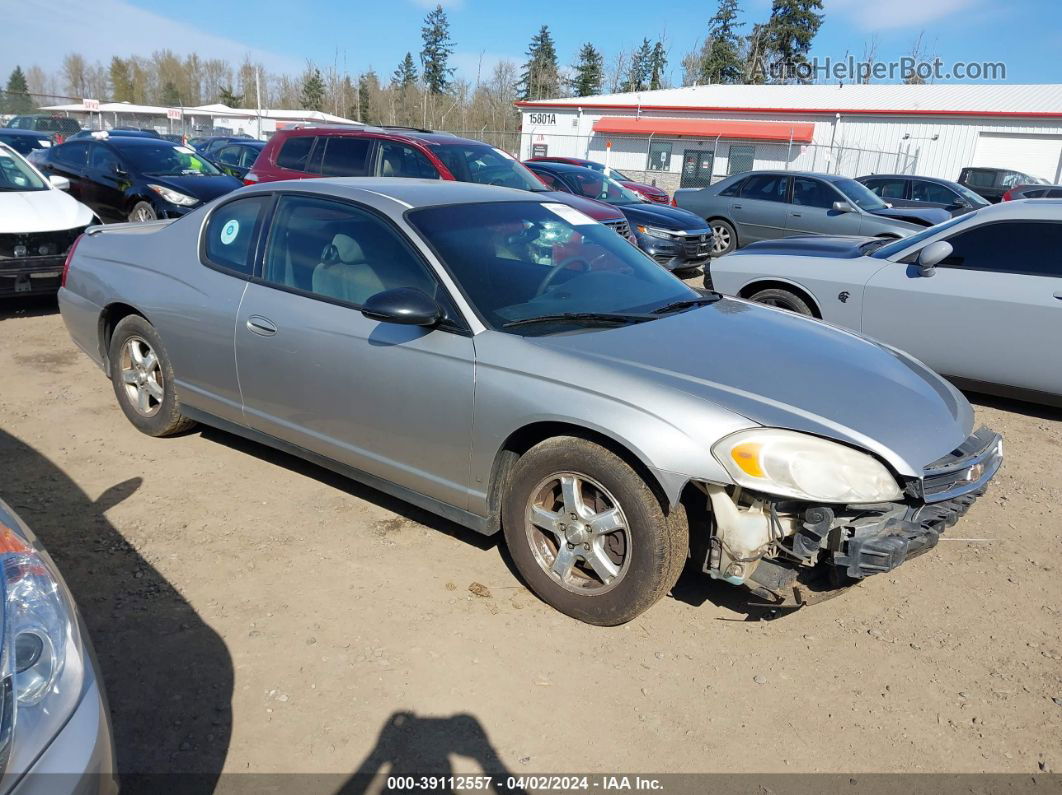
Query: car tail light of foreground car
[69,256]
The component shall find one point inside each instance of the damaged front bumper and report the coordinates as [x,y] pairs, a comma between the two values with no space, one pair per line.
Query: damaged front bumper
[810,552]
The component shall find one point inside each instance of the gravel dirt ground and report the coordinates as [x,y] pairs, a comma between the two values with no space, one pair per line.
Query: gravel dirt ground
[252,612]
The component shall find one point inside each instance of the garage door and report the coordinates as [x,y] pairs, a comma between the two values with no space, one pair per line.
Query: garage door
[1037,155]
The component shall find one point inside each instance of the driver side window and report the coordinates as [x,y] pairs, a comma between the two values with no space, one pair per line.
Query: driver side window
[339,252]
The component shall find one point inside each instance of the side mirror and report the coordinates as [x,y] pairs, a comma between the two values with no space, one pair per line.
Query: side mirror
[889,205]
[403,305]
[959,204]
[843,207]
[930,256]
[59,183]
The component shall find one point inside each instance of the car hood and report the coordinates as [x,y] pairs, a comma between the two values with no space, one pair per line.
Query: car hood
[41,211]
[599,211]
[783,370]
[830,246]
[663,216]
[641,187]
[202,188]
[929,216]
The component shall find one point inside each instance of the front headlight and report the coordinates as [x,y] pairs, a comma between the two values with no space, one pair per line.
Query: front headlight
[655,231]
[792,464]
[42,661]
[173,197]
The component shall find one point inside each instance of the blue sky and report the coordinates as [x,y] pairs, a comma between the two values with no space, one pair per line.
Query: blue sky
[282,34]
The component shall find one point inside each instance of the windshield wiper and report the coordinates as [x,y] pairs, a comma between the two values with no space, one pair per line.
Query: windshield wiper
[582,318]
[688,303]
[874,245]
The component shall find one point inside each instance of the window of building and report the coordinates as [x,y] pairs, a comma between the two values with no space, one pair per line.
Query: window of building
[660,156]
[742,157]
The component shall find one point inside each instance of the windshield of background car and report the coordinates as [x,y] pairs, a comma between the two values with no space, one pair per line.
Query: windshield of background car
[17,175]
[485,165]
[859,194]
[166,160]
[974,199]
[905,243]
[519,260]
[595,185]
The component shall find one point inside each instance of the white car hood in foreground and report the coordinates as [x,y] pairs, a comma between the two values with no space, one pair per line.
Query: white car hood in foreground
[41,211]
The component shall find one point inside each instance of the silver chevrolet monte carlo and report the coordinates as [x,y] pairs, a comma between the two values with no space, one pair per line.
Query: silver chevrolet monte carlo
[513,366]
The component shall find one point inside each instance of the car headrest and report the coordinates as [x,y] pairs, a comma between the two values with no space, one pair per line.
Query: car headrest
[343,249]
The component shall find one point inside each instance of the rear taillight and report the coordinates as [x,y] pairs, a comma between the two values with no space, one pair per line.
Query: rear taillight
[674,203]
[69,256]
[250,178]
[1008,196]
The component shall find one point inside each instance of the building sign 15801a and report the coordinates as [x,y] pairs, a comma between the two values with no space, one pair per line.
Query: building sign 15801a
[543,118]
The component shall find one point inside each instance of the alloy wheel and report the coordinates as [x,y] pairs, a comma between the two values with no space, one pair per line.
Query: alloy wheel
[578,533]
[142,377]
[720,239]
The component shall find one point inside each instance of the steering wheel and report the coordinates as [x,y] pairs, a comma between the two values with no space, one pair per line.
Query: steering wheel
[556,269]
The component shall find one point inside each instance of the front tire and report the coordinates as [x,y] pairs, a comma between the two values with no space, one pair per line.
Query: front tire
[587,533]
[783,299]
[142,212]
[143,379]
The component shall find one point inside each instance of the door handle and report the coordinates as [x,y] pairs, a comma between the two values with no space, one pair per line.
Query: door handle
[1058,295]
[737,206]
[796,215]
[261,325]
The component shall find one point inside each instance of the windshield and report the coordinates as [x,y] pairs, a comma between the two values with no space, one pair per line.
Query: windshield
[595,185]
[521,260]
[896,246]
[166,160]
[17,175]
[859,194]
[974,199]
[470,162]
[610,171]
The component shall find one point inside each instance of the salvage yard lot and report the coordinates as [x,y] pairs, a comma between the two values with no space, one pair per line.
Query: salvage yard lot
[252,612]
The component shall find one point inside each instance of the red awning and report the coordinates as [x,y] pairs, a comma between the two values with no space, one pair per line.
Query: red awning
[799,132]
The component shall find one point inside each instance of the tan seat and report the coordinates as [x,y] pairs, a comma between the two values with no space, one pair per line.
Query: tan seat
[344,274]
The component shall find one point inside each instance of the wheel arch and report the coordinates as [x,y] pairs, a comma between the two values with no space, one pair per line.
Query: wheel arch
[775,283]
[527,436]
[110,317]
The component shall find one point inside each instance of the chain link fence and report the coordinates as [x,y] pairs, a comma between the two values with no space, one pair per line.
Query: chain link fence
[671,163]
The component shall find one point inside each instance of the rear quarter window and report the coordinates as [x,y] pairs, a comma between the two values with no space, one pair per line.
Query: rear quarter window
[231,230]
[295,153]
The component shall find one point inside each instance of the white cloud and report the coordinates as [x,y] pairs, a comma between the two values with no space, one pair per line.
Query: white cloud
[875,15]
[104,28]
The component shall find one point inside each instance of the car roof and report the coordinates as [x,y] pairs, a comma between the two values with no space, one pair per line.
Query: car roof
[1023,210]
[783,172]
[396,133]
[549,165]
[410,192]
[15,131]
[940,180]
[132,140]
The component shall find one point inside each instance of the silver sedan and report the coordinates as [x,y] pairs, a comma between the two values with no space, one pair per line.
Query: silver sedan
[510,364]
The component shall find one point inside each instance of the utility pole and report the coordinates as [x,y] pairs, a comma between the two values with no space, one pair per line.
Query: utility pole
[258,100]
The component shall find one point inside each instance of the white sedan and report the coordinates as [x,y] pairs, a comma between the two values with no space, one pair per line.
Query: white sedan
[39,223]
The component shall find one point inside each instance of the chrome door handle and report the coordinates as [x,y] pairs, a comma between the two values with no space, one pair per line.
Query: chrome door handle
[261,325]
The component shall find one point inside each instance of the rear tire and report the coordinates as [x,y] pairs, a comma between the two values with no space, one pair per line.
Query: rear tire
[588,535]
[783,299]
[143,379]
[724,237]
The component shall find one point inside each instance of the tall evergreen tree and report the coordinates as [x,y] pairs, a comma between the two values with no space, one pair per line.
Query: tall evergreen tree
[170,96]
[540,78]
[368,87]
[16,98]
[226,96]
[313,89]
[121,80]
[436,52]
[405,75]
[791,29]
[589,72]
[721,58]
[638,74]
[657,65]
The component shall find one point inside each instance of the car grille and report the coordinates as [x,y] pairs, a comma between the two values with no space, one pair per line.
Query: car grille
[698,245]
[24,245]
[622,228]
[965,469]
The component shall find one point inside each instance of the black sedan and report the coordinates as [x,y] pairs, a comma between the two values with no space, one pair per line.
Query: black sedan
[236,157]
[123,178]
[24,141]
[677,239]
[905,190]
